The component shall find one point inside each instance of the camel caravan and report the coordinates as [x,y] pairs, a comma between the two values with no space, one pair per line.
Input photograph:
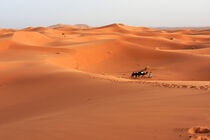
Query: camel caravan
[142,73]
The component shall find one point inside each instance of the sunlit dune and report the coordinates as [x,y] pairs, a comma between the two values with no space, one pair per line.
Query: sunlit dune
[66,82]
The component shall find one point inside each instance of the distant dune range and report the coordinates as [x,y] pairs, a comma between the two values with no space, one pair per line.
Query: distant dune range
[118,49]
[73,82]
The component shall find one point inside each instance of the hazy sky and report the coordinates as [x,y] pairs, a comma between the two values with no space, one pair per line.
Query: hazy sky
[151,13]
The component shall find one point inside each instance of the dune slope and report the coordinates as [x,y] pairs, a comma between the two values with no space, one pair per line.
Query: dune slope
[73,82]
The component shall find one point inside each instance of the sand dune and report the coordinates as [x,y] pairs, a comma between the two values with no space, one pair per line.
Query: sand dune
[73,82]
[30,38]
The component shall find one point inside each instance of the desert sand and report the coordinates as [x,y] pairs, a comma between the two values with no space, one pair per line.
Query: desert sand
[73,83]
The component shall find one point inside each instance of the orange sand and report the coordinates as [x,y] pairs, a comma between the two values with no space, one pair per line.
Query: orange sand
[73,83]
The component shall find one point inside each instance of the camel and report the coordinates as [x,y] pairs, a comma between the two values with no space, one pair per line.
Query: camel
[138,74]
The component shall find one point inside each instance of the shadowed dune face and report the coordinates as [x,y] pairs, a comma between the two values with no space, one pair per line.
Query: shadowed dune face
[199,130]
[200,133]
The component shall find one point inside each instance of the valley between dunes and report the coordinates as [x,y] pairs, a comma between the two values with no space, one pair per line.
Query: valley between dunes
[73,83]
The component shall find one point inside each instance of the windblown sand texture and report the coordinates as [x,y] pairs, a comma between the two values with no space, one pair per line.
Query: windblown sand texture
[73,83]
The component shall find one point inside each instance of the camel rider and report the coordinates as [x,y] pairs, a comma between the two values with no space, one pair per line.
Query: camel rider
[145,69]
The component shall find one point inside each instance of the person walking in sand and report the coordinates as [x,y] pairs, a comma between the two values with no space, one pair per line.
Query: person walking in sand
[150,74]
[63,34]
